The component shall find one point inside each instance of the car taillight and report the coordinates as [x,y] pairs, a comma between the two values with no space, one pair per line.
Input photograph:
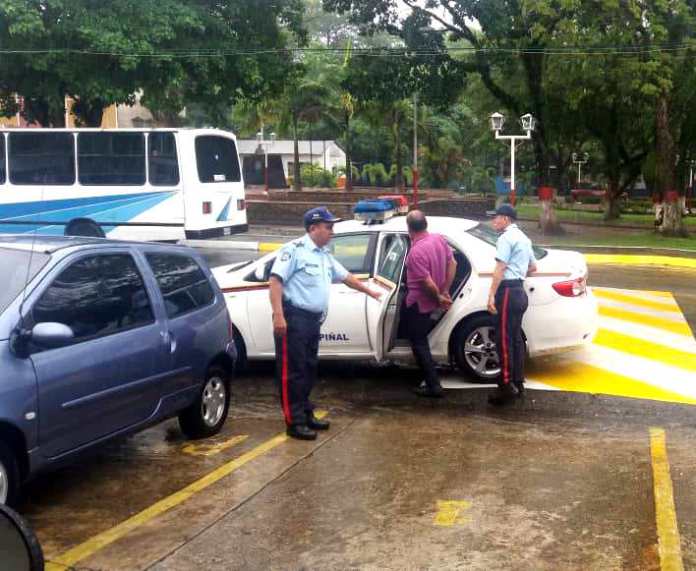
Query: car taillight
[207,207]
[241,204]
[571,288]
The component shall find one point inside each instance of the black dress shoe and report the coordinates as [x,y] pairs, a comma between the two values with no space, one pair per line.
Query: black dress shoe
[315,424]
[504,394]
[301,432]
[427,392]
[520,390]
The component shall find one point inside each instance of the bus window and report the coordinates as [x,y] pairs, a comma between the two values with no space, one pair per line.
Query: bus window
[162,161]
[216,158]
[2,158]
[115,159]
[42,158]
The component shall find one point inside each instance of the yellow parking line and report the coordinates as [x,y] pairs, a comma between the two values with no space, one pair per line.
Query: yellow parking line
[668,540]
[204,449]
[646,349]
[634,299]
[269,246]
[583,378]
[639,260]
[681,327]
[98,542]
[449,512]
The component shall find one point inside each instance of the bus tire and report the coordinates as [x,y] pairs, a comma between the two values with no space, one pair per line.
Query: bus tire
[84,227]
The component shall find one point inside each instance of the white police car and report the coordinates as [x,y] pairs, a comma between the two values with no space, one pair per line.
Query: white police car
[562,310]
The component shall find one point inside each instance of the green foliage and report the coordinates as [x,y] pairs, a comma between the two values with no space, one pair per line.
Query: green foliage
[314,175]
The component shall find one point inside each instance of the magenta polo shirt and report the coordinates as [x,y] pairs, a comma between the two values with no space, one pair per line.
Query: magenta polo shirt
[429,256]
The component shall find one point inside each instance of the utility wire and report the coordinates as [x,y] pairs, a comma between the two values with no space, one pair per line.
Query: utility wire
[370,52]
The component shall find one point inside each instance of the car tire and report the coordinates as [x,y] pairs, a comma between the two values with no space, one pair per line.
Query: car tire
[207,415]
[84,227]
[474,349]
[241,363]
[9,476]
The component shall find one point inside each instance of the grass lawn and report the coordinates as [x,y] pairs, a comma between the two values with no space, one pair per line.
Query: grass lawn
[566,214]
[644,239]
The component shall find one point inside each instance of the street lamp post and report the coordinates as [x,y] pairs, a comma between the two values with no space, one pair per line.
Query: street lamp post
[265,145]
[580,159]
[497,122]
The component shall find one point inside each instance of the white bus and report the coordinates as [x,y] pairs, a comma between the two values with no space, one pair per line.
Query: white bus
[140,184]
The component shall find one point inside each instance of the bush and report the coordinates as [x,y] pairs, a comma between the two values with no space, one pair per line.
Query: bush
[375,174]
[314,175]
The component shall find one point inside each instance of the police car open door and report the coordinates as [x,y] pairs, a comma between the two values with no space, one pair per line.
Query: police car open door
[383,318]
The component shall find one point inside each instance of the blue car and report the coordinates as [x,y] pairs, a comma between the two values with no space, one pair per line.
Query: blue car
[100,338]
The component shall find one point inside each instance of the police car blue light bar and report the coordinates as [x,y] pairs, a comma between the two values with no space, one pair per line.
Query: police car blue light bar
[372,211]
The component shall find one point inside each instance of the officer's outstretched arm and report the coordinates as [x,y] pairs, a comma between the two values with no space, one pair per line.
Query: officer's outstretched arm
[354,283]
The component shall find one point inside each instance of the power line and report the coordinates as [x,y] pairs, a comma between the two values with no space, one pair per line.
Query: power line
[369,52]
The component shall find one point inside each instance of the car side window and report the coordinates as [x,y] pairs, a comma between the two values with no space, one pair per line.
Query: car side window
[353,252]
[262,273]
[182,282]
[96,296]
[392,254]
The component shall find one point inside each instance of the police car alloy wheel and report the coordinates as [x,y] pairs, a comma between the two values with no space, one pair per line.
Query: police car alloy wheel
[475,351]
[3,484]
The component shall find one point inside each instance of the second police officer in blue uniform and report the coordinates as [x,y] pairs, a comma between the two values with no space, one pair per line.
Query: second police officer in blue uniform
[508,300]
[300,282]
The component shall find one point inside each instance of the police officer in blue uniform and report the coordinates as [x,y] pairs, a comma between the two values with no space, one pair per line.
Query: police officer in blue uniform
[300,282]
[507,300]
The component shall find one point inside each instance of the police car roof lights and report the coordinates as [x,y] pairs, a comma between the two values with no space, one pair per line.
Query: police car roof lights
[373,211]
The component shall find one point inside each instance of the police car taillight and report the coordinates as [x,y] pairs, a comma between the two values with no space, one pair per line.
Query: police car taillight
[571,288]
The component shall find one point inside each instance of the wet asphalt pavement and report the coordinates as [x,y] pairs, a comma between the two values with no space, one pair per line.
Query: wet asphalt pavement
[558,481]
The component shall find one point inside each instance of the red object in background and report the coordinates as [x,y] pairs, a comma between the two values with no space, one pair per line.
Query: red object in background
[671,196]
[546,192]
[589,191]
[415,188]
[207,207]
[399,201]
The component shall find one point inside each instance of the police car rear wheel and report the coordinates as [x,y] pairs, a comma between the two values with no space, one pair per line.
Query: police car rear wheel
[475,351]
[208,414]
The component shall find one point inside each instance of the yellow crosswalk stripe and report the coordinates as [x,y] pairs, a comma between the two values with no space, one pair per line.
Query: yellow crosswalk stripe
[583,378]
[681,327]
[646,349]
[637,300]
[640,260]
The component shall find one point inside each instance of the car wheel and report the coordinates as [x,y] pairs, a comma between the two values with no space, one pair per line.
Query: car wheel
[475,351]
[9,476]
[241,362]
[85,228]
[206,416]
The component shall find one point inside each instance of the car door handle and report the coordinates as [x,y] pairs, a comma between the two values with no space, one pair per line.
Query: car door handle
[169,340]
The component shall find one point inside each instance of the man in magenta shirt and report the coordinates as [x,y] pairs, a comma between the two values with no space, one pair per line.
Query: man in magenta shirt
[430,270]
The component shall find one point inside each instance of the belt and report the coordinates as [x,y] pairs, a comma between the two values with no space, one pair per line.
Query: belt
[288,306]
[511,283]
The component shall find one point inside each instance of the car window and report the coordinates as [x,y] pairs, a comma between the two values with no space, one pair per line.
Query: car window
[42,158]
[392,254]
[182,282]
[490,236]
[96,296]
[353,252]
[163,166]
[111,158]
[261,275]
[2,158]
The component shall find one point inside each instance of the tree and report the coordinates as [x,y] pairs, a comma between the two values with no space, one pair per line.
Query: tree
[176,52]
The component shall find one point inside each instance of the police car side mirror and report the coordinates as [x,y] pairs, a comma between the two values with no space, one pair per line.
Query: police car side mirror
[260,273]
[19,547]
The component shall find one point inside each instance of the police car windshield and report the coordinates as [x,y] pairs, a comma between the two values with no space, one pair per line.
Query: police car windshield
[15,276]
[490,236]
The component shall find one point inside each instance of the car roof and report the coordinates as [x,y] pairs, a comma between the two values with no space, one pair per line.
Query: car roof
[440,224]
[50,244]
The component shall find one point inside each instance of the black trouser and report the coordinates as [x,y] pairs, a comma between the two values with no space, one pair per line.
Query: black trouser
[511,303]
[296,363]
[417,326]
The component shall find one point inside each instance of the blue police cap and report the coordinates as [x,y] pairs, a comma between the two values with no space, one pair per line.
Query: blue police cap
[319,214]
[504,210]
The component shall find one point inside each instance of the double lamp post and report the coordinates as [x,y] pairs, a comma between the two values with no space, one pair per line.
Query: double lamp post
[497,122]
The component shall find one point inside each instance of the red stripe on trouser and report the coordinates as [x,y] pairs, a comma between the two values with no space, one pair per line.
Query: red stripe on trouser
[506,358]
[284,380]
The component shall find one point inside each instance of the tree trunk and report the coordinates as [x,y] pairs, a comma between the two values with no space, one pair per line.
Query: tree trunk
[296,171]
[89,113]
[665,161]
[349,162]
[612,208]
